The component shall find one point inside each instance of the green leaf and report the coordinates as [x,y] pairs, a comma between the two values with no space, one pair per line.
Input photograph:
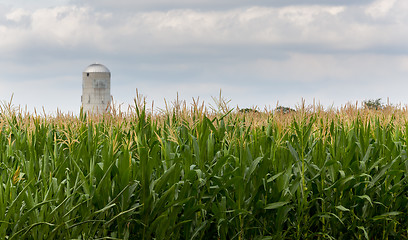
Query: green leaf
[386,215]
[342,208]
[253,166]
[293,152]
[275,205]
[274,177]
[364,231]
[366,197]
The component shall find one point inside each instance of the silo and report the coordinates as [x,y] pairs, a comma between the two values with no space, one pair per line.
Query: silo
[96,95]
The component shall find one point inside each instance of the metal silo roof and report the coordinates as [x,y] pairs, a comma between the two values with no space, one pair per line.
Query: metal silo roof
[96,67]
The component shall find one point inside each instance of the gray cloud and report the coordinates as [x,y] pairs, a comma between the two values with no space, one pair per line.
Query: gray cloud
[189,32]
[162,5]
[256,54]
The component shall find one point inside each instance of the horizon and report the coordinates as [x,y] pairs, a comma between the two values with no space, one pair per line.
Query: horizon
[210,107]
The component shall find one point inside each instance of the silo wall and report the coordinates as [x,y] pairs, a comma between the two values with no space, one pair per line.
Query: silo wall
[96,94]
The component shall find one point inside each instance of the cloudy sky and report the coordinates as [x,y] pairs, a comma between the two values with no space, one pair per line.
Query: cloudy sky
[258,52]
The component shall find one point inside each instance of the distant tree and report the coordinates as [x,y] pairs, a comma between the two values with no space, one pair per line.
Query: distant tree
[284,110]
[248,110]
[373,104]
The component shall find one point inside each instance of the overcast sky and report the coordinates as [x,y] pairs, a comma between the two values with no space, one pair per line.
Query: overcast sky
[256,52]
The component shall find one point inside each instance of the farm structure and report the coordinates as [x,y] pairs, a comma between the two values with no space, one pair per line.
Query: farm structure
[96,94]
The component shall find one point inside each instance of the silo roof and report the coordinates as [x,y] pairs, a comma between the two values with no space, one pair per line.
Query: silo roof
[96,67]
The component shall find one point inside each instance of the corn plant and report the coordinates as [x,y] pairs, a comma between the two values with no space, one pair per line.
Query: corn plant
[196,174]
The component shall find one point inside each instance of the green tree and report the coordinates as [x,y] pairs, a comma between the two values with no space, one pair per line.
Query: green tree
[373,104]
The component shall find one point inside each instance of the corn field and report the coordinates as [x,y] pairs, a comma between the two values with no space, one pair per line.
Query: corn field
[190,173]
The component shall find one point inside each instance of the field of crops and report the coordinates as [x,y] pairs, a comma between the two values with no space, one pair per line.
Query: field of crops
[193,174]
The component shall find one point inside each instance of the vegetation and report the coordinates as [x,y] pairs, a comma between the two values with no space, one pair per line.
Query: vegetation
[248,110]
[374,104]
[192,174]
[283,109]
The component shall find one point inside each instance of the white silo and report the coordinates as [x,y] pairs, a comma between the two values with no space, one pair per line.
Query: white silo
[96,95]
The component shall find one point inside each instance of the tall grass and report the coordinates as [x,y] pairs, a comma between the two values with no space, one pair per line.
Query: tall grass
[191,173]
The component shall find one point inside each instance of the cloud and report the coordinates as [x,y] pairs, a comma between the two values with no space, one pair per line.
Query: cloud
[32,5]
[206,5]
[252,52]
[79,28]
[380,8]
[17,15]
